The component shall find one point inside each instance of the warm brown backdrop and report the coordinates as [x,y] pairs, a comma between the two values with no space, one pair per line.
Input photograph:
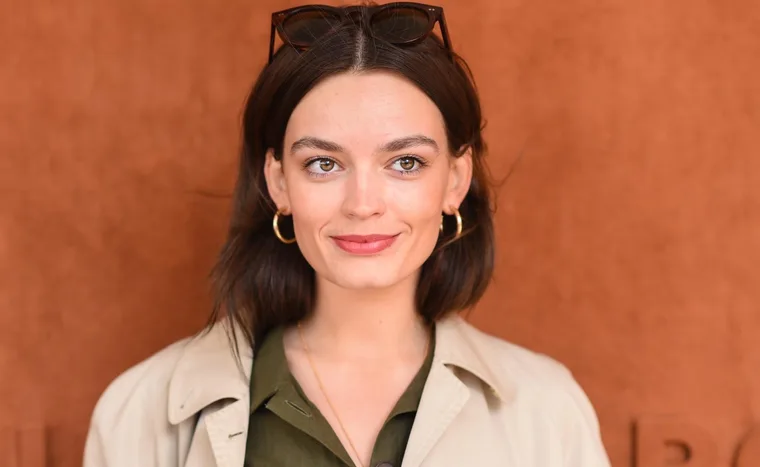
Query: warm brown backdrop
[629,234]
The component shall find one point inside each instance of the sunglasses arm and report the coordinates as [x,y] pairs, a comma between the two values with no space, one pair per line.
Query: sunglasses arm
[444,32]
[271,42]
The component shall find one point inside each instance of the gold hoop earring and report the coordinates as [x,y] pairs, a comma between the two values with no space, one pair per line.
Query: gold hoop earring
[459,222]
[276,228]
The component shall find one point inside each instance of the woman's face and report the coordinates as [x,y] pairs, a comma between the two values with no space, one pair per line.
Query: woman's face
[366,174]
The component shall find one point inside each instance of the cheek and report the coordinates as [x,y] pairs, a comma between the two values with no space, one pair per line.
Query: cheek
[418,207]
[312,205]
[418,201]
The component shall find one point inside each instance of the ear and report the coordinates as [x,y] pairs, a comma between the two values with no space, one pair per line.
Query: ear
[460,176]
[276,183]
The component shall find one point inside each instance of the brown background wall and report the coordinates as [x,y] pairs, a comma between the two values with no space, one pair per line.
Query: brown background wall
[629,234]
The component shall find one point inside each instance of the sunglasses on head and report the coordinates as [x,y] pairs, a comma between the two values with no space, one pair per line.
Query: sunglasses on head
[400,23]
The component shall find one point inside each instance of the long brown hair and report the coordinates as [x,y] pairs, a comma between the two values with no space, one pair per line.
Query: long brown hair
[261,283]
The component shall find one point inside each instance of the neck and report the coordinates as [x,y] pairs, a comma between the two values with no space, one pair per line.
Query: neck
[366,323]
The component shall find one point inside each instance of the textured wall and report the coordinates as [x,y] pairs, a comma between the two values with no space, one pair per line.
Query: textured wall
[629,233]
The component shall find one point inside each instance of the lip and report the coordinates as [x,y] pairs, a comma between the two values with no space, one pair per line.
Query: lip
[364,244]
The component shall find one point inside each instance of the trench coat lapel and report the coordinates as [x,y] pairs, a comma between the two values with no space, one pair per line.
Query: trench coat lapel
[227,430]
[210,384]
[445,395]
[443,398]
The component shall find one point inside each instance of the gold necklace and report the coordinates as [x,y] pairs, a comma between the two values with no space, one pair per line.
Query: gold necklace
[324,393]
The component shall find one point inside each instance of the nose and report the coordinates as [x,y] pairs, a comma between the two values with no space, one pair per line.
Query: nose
[364,195]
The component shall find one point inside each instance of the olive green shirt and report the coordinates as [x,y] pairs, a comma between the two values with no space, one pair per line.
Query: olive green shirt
[287,430]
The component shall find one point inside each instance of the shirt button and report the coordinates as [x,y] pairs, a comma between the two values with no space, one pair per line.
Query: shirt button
[384,464]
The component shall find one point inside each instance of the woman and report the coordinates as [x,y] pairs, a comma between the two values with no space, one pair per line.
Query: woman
[361,226]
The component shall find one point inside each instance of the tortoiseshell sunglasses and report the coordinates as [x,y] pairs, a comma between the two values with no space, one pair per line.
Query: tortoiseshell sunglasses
[400,23]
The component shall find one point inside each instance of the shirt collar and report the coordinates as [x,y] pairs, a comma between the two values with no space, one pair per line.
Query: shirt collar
[208,371]
[271,369]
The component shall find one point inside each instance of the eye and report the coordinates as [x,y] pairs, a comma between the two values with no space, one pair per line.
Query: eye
[408,165]
[320,166]
[326,164]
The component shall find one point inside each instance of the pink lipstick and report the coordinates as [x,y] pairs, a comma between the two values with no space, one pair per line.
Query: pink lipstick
[364,244]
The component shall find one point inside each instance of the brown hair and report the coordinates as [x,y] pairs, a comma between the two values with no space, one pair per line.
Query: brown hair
[261,283]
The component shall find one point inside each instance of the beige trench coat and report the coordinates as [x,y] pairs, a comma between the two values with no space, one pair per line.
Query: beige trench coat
[486,403]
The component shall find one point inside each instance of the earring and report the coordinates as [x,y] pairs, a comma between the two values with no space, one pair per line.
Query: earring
[276,229]
[459,222]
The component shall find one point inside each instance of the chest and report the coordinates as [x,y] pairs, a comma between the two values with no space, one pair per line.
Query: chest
[360,410]
[456,425]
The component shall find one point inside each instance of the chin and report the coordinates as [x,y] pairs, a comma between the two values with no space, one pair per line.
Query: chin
[366,278]
[365,281]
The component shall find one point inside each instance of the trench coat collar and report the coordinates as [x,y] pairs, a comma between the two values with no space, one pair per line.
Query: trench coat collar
[208,371]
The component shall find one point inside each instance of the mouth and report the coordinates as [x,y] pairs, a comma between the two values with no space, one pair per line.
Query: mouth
[364,244]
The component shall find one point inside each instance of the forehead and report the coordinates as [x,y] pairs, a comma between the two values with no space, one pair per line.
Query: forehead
[365,108]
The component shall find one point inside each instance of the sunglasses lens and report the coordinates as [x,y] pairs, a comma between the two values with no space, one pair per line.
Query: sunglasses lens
[400,24]
[306,27]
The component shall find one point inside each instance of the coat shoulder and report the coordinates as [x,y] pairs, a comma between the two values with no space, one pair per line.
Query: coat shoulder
[145,384]
[526,367]
[134,404]
[545,389]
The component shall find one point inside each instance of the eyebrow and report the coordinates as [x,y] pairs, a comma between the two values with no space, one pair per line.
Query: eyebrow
[408,142]
[391,146]
[311,142]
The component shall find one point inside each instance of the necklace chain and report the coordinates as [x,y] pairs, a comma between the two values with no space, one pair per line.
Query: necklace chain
[324,392]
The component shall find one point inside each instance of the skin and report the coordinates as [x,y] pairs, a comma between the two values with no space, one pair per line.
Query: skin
[365,337]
